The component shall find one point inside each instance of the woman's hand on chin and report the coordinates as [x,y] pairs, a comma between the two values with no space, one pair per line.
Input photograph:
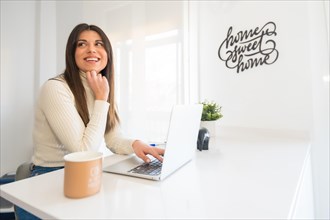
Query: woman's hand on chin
[99,85]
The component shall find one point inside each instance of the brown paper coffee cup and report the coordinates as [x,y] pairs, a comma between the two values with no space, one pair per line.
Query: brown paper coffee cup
[82,174]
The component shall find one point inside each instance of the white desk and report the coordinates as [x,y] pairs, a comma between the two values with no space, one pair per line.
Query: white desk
[242,175]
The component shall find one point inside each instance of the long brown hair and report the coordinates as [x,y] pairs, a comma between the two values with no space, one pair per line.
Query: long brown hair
[72,76]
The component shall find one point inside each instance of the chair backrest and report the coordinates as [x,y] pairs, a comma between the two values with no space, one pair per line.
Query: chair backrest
[23,171]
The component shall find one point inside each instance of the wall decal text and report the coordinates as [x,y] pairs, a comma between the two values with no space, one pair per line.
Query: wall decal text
[250,48]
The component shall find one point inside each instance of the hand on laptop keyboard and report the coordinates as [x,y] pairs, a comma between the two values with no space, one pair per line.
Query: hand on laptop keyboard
[153,168]
[142,149]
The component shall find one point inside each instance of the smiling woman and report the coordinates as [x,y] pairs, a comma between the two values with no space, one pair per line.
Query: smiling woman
[76,110]
[84,42]
[90,53]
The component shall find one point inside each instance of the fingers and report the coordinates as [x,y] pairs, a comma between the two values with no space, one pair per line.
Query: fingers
[160,151]
[145,158]
[99,85]
[156,155]
[155,152]
[142,149]
[91,74]
[92,77]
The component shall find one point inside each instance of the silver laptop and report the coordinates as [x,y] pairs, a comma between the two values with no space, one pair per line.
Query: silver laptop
[179,148]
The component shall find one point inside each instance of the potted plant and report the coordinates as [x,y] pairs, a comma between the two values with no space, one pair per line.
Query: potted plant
[211,113]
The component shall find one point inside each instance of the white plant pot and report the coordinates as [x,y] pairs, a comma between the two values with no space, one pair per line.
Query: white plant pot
[211,126]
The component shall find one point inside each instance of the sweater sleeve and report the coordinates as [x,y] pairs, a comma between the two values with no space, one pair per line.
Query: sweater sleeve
[117,143]
[58,105]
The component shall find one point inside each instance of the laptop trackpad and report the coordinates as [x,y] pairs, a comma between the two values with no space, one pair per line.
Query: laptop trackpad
[125,165]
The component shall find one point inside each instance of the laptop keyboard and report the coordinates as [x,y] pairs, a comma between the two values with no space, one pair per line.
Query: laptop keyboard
[153,168]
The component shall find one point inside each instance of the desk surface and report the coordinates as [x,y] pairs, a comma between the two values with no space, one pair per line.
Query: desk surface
[247,175]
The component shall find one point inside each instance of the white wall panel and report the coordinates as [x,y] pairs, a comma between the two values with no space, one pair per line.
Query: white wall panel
[290,94]
[18,49]
[276,96]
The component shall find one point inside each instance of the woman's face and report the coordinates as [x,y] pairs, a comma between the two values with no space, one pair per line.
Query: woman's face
[90,52]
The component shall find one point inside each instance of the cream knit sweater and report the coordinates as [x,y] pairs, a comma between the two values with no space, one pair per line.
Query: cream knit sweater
[59,130]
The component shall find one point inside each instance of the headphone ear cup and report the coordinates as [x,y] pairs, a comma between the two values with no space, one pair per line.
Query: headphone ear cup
[200,140]
[206,143]
[199,144]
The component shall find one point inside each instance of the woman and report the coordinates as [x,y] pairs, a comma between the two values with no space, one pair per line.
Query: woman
[76,110]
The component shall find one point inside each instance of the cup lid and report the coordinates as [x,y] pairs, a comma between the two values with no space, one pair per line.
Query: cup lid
[83,156]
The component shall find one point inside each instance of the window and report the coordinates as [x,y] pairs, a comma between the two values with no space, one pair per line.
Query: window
[148,44]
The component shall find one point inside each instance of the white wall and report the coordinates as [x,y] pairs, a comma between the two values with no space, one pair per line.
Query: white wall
[18,66]
[291,94]
[276,96]
[33,40]
[47,44]
[319,69]
[68,15]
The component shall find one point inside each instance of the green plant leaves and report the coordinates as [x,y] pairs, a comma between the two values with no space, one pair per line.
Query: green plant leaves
[211,111]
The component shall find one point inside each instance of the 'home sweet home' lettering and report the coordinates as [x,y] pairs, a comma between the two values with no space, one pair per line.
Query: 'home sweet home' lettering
[249,49]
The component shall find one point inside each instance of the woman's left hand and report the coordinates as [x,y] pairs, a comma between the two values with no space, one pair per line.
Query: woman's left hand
[142,149]
[99,85]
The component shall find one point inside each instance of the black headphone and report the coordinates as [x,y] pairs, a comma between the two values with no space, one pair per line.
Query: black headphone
[203,139]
